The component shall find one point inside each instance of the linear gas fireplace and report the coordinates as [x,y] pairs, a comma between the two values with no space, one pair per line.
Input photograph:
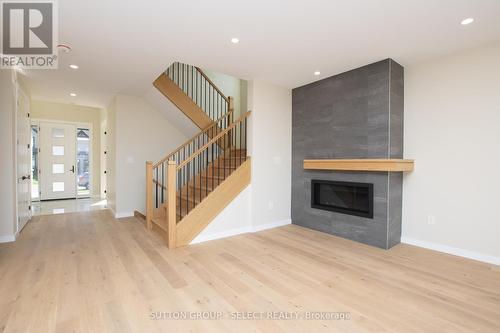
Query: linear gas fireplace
[343,197]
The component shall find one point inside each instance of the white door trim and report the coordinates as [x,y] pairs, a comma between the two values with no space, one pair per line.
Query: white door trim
[18,93]
[37,121]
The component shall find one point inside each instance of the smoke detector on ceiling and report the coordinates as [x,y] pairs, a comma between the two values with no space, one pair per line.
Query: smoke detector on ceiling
[63,47]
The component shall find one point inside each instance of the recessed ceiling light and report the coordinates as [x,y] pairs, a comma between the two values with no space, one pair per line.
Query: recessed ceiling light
[317,73]
[467,21]
[235,40]
[74,66]
[72,95]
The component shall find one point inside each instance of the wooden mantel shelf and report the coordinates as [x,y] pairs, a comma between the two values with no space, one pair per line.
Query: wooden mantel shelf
[360,165]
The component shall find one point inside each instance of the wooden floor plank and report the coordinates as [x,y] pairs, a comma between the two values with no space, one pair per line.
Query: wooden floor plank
[84,272]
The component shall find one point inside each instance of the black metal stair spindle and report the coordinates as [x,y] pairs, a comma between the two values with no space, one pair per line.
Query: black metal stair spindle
[162,182]
[194,191]
[197,90]
[209,102]
[192,80]
[156,187]
[187,181]
[240,143]
[180,189]
[212,161]
[206,170]
[199,167]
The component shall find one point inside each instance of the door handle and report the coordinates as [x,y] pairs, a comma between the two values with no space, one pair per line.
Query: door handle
[72,169]
[25,177]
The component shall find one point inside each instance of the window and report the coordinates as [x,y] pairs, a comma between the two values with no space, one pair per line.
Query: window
[35,191]
[83,161]
[58,187]
[58,133]
[58,150]
[57,168]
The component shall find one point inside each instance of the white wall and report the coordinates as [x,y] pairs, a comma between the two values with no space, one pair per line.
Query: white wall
[235,219]
[266,203]
[103,152]
[452,130]
[231,86]
[138,133]
[7,164]
[173,115]
[111,155]
[271,151]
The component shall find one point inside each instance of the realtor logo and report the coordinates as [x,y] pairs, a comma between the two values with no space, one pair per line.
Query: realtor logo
[29,33]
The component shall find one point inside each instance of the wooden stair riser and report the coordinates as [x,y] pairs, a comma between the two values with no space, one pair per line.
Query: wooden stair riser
[221,171]
[236,153]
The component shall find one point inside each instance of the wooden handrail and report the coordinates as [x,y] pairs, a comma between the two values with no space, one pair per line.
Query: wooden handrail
[211,83]
[213,140]
[216,122]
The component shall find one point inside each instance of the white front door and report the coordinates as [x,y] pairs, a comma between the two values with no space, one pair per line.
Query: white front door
[23,161]
[57,161]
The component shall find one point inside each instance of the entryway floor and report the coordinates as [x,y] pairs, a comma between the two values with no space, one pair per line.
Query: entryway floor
[68,206]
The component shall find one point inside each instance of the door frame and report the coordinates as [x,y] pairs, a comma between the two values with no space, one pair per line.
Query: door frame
[18,91]
[36,122]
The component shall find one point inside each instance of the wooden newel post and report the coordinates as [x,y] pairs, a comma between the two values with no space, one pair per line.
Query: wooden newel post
[171,205]
[149,194]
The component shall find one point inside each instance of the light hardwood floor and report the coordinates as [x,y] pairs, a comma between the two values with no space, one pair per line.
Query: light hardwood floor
[90,272]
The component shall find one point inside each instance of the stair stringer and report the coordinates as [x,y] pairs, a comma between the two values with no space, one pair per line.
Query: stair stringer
[201,216]
[185,104]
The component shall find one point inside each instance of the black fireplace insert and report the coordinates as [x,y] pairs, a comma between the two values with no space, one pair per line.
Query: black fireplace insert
[343,197]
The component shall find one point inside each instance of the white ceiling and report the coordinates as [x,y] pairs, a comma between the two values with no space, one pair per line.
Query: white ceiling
[122,45]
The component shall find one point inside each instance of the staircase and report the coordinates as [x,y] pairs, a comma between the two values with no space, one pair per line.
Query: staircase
[189,187]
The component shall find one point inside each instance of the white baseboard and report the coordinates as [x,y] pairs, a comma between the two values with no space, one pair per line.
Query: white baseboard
[218,235]
[7,239]
[271,225]
[122,215]
[453,250]
[238,231]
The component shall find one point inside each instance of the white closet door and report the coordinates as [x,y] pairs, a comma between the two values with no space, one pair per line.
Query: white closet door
[57,161]
[23,161]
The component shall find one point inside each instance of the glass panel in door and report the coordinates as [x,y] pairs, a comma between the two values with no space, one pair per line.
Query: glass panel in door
[35,190]
[83,161]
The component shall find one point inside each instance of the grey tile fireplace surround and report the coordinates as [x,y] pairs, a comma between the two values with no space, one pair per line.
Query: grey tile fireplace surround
[356,114]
